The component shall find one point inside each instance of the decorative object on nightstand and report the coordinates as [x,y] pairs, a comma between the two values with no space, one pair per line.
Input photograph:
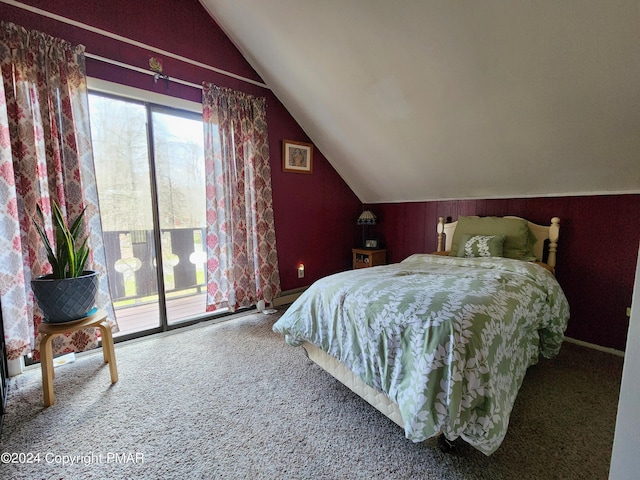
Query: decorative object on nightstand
[371,243]
[367,257]
[366,219]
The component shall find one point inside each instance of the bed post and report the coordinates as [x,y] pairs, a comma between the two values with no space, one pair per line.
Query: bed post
[554,233]
[440,233]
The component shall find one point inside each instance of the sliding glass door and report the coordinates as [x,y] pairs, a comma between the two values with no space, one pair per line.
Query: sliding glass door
[150,177]
[178,147]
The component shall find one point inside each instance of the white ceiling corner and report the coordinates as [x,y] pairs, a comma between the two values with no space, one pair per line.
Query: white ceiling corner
[424,100]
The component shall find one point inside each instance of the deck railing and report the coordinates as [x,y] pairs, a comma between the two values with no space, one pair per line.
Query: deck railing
[131,260]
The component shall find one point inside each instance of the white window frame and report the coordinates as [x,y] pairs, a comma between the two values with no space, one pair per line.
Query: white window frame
[103,86]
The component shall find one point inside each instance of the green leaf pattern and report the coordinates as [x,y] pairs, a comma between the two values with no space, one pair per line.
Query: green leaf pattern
[448,339]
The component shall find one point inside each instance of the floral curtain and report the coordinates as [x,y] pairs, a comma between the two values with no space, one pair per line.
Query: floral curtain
[242,262]
[45,155]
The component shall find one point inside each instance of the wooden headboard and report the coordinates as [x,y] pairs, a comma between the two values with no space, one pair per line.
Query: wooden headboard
[541,232]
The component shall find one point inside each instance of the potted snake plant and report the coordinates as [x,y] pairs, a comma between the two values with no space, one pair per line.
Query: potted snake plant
[69,292]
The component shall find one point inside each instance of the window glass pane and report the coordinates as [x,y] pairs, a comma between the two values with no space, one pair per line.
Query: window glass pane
[121,155]
[179,162]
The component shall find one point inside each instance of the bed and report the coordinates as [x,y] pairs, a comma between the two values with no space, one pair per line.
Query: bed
[440,343]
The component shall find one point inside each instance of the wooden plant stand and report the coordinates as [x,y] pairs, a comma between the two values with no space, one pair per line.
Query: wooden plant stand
[50,330]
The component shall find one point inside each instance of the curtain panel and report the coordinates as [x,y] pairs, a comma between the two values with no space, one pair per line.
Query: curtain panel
[45,154]
[242,261]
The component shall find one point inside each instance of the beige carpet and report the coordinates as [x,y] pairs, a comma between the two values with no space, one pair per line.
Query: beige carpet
[231,400]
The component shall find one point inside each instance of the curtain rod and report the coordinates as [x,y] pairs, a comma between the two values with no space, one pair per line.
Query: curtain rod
[129,41]
[138,69]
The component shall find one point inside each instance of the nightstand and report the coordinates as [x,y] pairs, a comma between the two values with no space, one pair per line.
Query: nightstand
[368,257]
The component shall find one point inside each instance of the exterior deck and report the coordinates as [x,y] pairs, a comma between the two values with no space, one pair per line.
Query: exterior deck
[131,260]
[132,319]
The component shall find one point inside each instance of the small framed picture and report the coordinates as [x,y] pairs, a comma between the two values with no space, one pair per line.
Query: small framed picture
[371,243]
[297,157]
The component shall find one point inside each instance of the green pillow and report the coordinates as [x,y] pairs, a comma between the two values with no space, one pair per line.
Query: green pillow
[481,246]
[516,234]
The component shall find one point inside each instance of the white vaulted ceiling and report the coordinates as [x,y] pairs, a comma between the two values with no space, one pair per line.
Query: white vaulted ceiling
[437,99]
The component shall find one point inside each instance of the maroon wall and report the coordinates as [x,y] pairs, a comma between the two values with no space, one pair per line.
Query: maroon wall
[314,214]
[597,250]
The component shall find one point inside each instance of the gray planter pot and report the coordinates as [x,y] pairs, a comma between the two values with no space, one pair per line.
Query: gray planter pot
[65,299]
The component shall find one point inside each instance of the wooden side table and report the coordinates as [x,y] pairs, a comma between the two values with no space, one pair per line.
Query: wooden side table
[368,257]
[50,330]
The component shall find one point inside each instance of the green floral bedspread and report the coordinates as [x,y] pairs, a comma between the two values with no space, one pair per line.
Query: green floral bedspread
[448,339]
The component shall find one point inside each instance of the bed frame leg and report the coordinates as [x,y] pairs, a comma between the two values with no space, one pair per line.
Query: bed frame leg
[445,445]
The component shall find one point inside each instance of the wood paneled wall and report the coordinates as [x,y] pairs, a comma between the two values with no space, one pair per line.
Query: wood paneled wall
[597,251]
[314,214]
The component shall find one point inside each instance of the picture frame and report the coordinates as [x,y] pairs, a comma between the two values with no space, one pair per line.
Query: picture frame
[297,157]
[371,243]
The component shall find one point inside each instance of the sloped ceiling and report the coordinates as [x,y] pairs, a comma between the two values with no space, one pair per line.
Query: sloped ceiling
[423,100]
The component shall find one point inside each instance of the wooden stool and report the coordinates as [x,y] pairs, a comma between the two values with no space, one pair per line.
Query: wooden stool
[50,330]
